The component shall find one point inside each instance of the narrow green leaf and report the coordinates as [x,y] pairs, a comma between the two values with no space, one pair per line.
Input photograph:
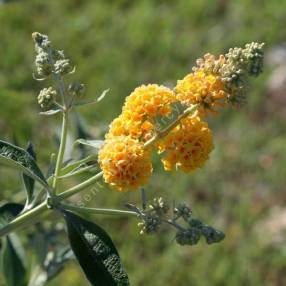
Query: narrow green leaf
[91,143]
[13,267]
[95,252]
[28,181]
[20,159]
[50,112]
[87,102]
[71,167]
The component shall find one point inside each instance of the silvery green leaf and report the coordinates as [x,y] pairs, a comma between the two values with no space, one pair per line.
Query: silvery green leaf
[28,181]
[87,102]
[97,144]
[50,112]
[18,158]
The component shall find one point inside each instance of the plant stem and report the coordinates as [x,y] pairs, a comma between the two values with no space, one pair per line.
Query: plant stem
[100,211]
[163,133]
[24,219]
[35,214]
[61,149]
[79,187]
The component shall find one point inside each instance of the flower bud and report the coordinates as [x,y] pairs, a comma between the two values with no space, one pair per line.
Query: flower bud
[182,210]
[47,97]
[41,41]
[76,89]
[63,67]
[150,224]
[188,236]
[212,235]
[159,206]
[43,64]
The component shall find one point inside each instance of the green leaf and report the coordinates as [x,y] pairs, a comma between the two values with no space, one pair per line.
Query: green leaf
[18,158]
[13,267]
[8,212]
[95,252]
[91,143]
[28,181]
[73,166]
[50,112]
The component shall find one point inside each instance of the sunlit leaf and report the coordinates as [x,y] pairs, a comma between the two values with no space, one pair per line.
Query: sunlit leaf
[28,181]
[50,112]
[91,143]
[88,102]
[20,159]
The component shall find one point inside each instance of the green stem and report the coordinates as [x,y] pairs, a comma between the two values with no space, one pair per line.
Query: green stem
[78,172]
[163,133]
[61,149]
[36,213]
[91,211]
[25,219]
[79,187]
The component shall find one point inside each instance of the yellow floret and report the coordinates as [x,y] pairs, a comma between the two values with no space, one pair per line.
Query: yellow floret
[201,88]
[126,165]
[187,146]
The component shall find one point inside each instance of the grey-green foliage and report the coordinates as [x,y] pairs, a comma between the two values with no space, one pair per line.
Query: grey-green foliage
[20,159]
[95,252]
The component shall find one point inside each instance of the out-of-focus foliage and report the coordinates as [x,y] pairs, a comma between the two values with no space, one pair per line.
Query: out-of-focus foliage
[121,44]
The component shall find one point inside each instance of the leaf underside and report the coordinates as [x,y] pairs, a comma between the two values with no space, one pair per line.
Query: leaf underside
[20,159]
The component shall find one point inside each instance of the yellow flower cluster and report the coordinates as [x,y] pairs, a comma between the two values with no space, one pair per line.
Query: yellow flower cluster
[139,112]
[201,88]
[213,83]
[187,146]
[126,165]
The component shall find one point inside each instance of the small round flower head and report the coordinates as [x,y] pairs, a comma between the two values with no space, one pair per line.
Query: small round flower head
[126,165]
[150,100]
[47,97]
[187,146]
[201,88]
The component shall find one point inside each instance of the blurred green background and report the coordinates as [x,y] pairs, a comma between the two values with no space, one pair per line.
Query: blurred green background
[122,44]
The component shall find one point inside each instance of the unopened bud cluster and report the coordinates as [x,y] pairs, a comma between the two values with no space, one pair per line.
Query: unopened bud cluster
[234,69]
[47,97]
[188,229]
[195,230]
[51,62]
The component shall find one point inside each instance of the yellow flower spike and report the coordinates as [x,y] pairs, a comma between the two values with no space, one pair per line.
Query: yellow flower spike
[187,146]
[201,88]
[125,163]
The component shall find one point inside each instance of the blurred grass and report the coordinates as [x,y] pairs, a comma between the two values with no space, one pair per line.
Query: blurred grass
[120,45]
